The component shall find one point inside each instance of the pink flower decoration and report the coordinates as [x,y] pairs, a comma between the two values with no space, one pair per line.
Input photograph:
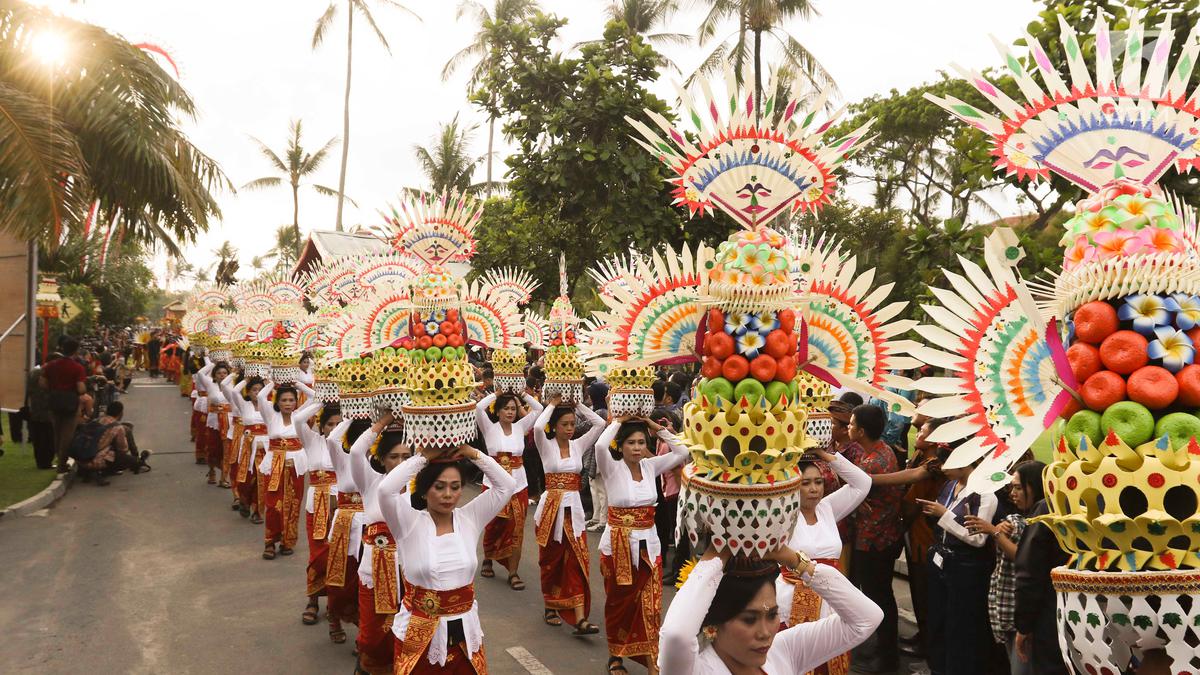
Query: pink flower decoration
[1118,244]
[1080,253]
[1155,240]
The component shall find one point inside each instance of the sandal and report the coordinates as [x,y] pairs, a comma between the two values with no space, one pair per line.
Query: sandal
[283,550]
[236,506]
[224,484]
[616,665]
[256,519]
[515,583]
[551,618]
[269,552]
[309,617]
[212,477]
[337,635]
[585,627]
[486,571]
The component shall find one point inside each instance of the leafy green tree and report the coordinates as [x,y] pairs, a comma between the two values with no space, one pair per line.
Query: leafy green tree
[578,182]
[756,20]
[647,19]
[104,124]
[298,166]
[284,250]
[448,162]
[352,7]
[482,49]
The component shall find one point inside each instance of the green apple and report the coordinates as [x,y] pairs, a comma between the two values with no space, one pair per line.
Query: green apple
[433,354]
[417,355]
[793,391]
[1179,427]
[1085,423]
[719,387]
[1131,421]
[777,390]
[750,389]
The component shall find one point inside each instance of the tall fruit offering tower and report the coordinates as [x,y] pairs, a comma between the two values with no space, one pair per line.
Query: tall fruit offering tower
[736,310]
[1110,351]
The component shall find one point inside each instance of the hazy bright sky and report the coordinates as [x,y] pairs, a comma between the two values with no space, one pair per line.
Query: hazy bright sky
[251,69]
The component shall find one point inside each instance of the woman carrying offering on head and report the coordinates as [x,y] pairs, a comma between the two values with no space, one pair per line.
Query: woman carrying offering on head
[558,521]
[252,448]
[437,628]
[731,604]
[503,426]
[630,552]
[282,470]
[816,535]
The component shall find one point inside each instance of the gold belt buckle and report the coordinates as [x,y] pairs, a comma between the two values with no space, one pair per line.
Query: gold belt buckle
[430,603]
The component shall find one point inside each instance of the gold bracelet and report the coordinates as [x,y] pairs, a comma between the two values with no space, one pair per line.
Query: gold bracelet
[803,563]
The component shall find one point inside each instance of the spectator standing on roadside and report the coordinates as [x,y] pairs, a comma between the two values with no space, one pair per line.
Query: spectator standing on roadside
[878,537]
[64,379]
[41,427]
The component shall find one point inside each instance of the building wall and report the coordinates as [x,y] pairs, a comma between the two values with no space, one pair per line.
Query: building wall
[15,297]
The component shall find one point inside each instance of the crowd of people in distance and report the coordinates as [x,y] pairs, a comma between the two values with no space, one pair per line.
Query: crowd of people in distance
[72,410]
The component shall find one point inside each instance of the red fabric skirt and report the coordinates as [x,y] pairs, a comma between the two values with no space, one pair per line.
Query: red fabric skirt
[318,559]
[198,422]
[458,662]
[375,642]
[282,506]
[504,535]
[564,565]
[343,600]
[214,447]
[633,613]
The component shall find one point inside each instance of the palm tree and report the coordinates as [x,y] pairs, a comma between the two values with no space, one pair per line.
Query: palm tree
[502,12]
[756,19]
[101,125]
[323,23]
[447,163]
[643,17]
[285,251]
[300,164]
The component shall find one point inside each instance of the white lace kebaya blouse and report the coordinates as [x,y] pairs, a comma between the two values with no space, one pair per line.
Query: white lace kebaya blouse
[316,452]
[624,492]
[345,481]
[513,443]
[553,462]
[276,429]
[446,562]
[795,650]
[367,479]
[822,540]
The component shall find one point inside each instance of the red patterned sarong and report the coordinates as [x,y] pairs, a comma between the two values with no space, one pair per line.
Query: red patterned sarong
[283,506]
[340,558]
[383,567]
[622,521]
[426,607]
[214,448]
[457,662]
[504,535]
[564,565]
[318,558]
[375,640]
[806,607]
[200,435]
[633,612]
[233,446]
[343,600]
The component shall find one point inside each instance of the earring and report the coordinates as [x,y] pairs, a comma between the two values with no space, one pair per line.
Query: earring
[710,632]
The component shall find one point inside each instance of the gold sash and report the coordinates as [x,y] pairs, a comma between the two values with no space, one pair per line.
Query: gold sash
[557,484]
[622,521]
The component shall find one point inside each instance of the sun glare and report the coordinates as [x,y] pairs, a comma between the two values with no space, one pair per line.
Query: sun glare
[50,47]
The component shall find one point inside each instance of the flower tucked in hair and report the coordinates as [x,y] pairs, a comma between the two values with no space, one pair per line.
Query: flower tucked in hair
[613,444]
[546,429]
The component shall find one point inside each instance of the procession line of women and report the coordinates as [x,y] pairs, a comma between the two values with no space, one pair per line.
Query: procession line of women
[394,549]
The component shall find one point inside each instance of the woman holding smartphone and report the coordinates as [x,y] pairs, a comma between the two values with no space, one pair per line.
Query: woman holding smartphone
[959,566]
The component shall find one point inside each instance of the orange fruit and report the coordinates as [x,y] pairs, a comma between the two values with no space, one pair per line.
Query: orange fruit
[1102,390]
[1124,352]
[1085,360]
[1153,387]
[1189,385]
[1095,321]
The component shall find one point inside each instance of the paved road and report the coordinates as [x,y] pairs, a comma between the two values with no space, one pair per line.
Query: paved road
[155,574]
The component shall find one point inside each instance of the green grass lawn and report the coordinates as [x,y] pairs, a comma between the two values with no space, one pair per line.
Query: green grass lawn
[19,476]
